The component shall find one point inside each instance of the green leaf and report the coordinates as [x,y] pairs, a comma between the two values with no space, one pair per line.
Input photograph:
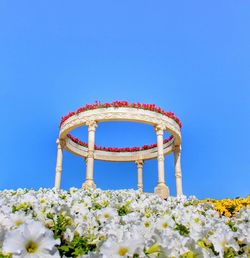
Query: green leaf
[183,230]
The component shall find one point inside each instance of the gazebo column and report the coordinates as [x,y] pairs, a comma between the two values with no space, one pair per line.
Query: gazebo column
[59,158]
[161,189]
[177,168]
[139,164]
[89,183]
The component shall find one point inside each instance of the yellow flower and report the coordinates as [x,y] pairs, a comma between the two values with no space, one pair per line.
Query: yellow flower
[228,207]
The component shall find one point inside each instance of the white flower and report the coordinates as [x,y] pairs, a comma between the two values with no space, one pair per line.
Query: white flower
[173,244]
[16,219]
[165,222]
[31,240]
[175,227]
[223,239]
[125,248]
[106,214]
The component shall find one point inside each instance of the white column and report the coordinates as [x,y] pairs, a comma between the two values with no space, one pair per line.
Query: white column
[60,146]
[139,164]
[161,189]
[177,168]
[89,183]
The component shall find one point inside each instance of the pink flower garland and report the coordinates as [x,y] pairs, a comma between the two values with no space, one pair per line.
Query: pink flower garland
[138,105]
[113,149]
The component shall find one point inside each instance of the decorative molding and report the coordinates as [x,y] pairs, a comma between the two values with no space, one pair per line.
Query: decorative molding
[121,114]
[118,156]
[61,143]
[160,157]
[139,163]
[177,148]
[92,117]
[159,128]
[58,170]
[90,154]
[92,125]
[178,174]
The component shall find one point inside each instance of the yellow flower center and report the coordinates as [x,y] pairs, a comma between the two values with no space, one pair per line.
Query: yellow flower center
[31,246]
[146,224]
[122,251]
[165,225]
[18,223]
[196,220]
[106,216]
[223,243]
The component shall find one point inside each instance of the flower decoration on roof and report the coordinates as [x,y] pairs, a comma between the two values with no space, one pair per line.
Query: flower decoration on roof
[115,149]
[117,104]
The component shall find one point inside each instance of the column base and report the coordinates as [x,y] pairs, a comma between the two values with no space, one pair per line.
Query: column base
[140,188]
[89,184]
[162,190]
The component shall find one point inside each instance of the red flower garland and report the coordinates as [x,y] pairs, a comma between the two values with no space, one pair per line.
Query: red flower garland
[98,104]
[113,149]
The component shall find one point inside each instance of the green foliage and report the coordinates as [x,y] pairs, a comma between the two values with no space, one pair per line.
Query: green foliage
[242,246]
[231,208]
[207,245]
[96,206]
[191,202]
[155,248]
[26,207]
[231,224]
[183,230]
[147,213]
[5,255]
[124,209]
[77,247]
[229,253]
[63,196]
[189,254]
[105,203]
[60,224]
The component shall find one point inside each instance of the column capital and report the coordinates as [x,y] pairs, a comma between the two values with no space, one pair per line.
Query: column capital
[177,148]
[92,125]
[160,157]
[178,174]
[139,163]
[59,170]
[159,129]
[61,143]
[90,154]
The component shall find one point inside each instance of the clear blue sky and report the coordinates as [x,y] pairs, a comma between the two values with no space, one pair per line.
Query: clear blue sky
[189,57]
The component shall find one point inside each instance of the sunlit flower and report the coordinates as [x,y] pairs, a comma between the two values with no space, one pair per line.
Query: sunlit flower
[122,223]
[124,248]
[106,214]
[31,240]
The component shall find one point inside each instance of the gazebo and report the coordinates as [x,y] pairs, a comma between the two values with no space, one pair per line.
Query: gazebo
[90,115]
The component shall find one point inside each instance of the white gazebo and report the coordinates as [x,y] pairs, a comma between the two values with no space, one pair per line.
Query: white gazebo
[90,115]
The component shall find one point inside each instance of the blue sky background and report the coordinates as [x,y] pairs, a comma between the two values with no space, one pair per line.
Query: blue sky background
[189,57]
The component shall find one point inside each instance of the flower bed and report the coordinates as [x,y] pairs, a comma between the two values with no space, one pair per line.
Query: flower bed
[229,207]
[114,149]
[80,223]
[117,104]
